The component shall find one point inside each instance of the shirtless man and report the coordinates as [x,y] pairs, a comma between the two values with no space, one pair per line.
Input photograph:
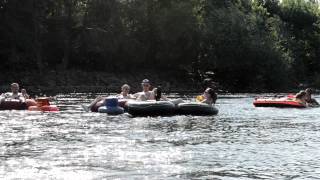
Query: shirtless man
[145,94]
[14,94]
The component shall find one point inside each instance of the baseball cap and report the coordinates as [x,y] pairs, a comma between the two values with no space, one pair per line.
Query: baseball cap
[145,81]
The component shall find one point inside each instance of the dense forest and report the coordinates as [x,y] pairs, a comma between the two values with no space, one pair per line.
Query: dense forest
[243,45]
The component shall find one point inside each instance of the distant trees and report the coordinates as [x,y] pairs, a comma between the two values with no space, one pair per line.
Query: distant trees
[253,45]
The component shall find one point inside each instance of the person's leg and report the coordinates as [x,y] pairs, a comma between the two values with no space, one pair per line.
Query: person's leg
[93,105]
[2,99]
[98,102]
[177,101]
[99,98]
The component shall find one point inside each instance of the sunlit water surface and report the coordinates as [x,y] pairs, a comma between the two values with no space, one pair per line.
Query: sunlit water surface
[241,142]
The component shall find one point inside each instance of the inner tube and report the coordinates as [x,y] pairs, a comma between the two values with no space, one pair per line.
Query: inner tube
[43,101]
[111,107]
[111,102]
[150,108]
[122,102]
[31,102]
[111,110]
[278,102]
[45,108]
[12,104]
[195,108]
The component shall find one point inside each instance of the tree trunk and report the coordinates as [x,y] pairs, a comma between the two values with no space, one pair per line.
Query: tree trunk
[37,34]
[67,31]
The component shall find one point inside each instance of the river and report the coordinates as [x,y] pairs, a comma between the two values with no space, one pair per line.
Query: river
[241,142]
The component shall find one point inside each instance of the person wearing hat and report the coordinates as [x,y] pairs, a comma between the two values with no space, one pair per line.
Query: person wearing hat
[310,101]
[145,94]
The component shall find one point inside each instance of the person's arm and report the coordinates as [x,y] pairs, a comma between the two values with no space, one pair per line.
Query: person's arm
[119,96]
[2,98]
[164,98]
[21,98]
[136,95]
[315,102]
[207,101]
[131,96]
[152,96]
[7,95]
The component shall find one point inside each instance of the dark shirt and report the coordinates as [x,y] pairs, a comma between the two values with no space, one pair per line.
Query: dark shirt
[312,102]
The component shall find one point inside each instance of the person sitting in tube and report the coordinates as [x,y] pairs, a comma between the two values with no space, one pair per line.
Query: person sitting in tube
[95,104]
[209,97]
[125,89]
[14,94]
[146,94]
[25,94]
[158,94]
[310,101]
[301,97]
[99,101]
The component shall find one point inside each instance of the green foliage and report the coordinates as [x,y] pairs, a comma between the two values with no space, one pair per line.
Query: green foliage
[249,45]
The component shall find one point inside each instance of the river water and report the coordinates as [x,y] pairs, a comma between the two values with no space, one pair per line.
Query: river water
[241,142]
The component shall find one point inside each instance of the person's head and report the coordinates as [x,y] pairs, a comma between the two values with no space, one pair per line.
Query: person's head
[23,91]
[308,93]
[157,93]
[145,85]
[125,89]
[209,93]
[14,87]
[301,95]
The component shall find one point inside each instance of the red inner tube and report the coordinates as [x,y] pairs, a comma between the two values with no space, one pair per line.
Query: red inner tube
[278,103]
[50,108]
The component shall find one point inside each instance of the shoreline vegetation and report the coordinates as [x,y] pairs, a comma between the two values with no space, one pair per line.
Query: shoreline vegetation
[96,82]
[96,45]
[100,82]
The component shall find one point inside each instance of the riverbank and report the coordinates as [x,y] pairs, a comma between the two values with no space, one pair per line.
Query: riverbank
[73,81]
[53,82]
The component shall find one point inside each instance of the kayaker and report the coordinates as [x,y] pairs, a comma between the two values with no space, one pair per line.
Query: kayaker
[310,101]
[146,94]
[14,94]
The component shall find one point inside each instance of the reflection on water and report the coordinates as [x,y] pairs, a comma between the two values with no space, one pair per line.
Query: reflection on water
[242,142]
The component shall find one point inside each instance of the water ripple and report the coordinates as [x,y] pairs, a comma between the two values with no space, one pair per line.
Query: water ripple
[242,142]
